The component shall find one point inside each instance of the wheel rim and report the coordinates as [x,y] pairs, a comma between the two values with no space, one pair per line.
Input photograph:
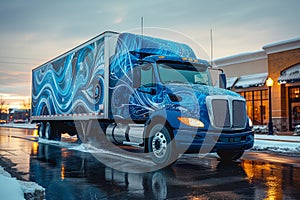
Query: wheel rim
[159,145]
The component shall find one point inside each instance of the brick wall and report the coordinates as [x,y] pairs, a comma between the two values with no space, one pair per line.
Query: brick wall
[278,62]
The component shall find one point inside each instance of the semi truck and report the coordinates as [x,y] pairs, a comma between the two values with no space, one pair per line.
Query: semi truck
[142,91]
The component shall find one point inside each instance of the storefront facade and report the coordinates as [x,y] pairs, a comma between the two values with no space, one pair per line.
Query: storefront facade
[247,75]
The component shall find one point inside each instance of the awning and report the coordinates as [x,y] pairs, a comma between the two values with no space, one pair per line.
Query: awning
[290,75]
[252,80]
[230,82]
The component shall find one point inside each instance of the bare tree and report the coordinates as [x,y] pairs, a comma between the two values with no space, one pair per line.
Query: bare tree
[26,105]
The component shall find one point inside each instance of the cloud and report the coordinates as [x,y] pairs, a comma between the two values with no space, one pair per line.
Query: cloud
[41,30]
[16,83]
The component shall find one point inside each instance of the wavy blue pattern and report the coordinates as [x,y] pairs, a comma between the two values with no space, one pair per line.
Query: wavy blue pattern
[128,103]
[74,83]
[152,46]
[71,84]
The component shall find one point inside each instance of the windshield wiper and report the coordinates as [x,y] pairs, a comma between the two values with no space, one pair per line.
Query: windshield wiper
[176,81]
[200,83]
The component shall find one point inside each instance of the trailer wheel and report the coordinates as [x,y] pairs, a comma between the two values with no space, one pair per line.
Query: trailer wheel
[51,132]
[230,155]
[41,130]
[56,133]
[160,147]
[48,131]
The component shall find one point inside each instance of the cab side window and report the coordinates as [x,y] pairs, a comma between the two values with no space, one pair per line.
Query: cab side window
[143,75]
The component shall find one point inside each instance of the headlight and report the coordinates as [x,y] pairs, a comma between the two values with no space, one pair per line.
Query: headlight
[250,122]
[191,122]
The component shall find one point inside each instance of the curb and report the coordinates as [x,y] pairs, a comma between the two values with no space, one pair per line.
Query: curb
[23,126]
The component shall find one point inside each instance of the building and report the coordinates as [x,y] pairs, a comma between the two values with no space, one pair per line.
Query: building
[19,115]
[247,74]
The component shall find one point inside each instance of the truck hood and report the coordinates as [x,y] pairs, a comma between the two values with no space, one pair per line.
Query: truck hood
[191,99]
[198,90]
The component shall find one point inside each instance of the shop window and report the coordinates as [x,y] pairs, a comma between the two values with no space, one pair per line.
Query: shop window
[294,106]
[257,106]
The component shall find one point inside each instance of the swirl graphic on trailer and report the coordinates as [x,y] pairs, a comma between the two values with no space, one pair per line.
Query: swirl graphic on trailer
[126,101]
[140,91]
[71,84]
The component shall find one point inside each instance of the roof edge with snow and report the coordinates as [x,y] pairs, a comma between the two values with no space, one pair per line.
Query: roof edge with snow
[285,45]
[240,58]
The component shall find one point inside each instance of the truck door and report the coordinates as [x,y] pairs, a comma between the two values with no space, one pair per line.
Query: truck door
[148,94]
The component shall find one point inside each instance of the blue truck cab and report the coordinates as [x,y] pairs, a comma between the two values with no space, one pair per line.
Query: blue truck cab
[142,91]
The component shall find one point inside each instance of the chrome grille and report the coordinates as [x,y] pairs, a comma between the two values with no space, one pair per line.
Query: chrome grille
[239,114]
[227,112]
[221,113]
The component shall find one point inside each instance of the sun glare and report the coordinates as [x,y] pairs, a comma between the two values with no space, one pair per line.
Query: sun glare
[17,102]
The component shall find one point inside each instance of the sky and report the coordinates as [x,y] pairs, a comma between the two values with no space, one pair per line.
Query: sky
[35,31]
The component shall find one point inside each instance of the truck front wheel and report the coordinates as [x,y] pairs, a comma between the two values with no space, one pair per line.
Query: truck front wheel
[230,155]
[160,146]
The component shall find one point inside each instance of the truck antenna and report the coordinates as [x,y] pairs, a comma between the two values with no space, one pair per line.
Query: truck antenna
[211,47]
[142,26]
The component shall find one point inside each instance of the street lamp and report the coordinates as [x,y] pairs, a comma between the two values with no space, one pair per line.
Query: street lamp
[270,83]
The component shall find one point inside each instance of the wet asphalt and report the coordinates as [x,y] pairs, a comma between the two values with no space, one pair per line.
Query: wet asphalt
[67,173]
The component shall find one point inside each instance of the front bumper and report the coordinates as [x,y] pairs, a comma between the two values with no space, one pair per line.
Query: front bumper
[189,141]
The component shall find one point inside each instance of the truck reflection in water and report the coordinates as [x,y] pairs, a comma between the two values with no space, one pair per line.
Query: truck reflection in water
[77,175]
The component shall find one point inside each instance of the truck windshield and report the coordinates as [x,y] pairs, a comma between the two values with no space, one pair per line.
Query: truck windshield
[183,73]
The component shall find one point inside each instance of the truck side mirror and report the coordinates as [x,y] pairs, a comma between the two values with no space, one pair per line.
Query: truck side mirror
[222,80]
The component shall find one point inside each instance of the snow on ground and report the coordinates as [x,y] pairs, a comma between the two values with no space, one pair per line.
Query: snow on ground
[13,189]
[63,143]
[274,143]
[10,189]
[278,144]
[88,148]
[267,143]
[263,142]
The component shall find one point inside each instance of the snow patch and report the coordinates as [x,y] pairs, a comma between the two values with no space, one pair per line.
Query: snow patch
[10,189]
[278,144]
[87,148]
[13,189]
[57,143]
[32,190]
[279,138]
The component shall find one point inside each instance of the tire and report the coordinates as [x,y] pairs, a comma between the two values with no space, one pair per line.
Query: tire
[48,131]
[41,130]
[159,186]
[56,134]
[161,147]
[230,155]
[51,133]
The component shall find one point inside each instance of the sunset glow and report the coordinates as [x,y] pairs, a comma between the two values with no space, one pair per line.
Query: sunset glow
[35,32]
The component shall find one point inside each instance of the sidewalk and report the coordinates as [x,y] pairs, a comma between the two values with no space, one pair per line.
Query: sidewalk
[284,143]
